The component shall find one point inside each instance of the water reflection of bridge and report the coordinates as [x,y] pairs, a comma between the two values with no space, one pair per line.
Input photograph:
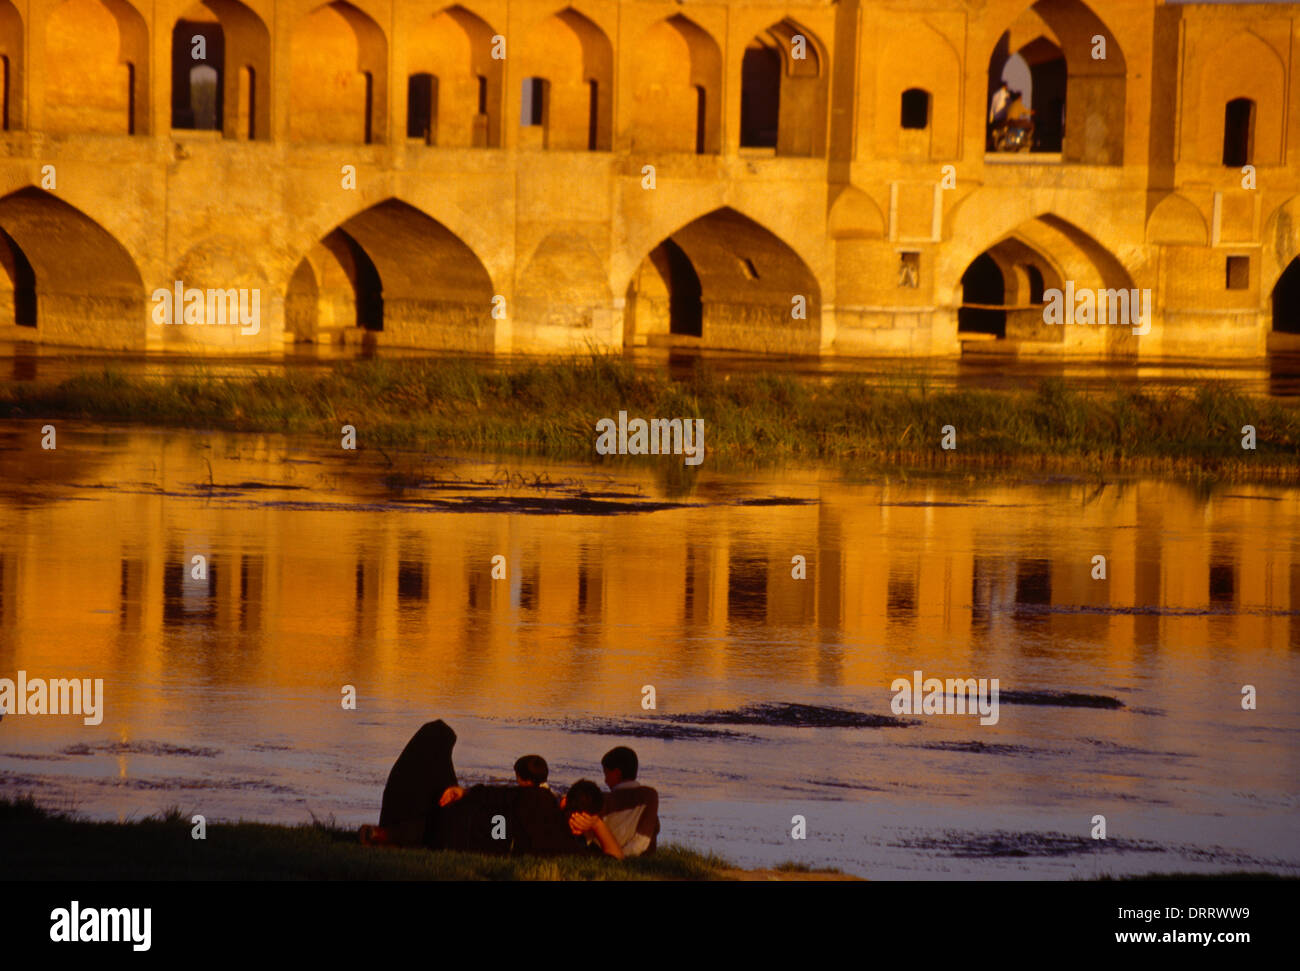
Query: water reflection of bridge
[890,569]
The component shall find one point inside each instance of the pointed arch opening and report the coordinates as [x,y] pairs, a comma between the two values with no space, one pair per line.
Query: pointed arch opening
[221,55]
[1064,70]
[338,65]
[65,277]
[783,92]
[1286,300]
[676,90]
[1240,110]
[453,82]
[394,270]
[724,281]
[574,61]
[1013,288]
[96,68]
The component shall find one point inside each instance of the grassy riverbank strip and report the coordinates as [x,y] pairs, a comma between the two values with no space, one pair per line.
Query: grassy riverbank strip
[42,844]
[549,408]
[39,844]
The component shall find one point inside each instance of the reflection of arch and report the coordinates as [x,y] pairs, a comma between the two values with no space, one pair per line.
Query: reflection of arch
[747,278]
[677,89]
[454,49]
[395,269]
[99,85]
[85,284]
[1243,66]
[11,60]
[238,48]
[918,57]
[783,91]
[338,74]
[1083,95]
[576,59]
[1176,221]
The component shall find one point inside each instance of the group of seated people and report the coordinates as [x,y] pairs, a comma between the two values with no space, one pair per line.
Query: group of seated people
[424,805]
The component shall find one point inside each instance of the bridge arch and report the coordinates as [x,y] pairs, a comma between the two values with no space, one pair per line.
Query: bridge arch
[236,57]
[1000,289]
[676,90]
[67,276]
[1078,99]
[453,81]
[567,101]
[784,78]
[730,282]
[394,269]
[338,66]
[96,69]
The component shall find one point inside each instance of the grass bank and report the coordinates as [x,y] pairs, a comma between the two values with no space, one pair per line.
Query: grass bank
[39,844]
[550,408]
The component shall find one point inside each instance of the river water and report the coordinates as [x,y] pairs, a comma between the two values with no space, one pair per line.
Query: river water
[1120,697]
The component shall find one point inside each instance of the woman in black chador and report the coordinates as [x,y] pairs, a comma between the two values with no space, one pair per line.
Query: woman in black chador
[409,813]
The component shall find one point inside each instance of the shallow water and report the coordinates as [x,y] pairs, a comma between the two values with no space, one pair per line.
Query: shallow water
[328,568]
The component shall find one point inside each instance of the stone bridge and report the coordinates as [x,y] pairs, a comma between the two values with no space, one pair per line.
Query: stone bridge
[521,175]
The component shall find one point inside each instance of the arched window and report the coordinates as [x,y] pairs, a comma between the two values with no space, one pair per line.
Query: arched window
[198,75]
[1238,132]
[915,109]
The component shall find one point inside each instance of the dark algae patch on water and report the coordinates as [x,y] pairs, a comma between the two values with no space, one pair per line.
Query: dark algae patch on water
[792,715]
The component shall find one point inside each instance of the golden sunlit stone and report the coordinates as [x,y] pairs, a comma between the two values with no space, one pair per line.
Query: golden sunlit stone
[392,173]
